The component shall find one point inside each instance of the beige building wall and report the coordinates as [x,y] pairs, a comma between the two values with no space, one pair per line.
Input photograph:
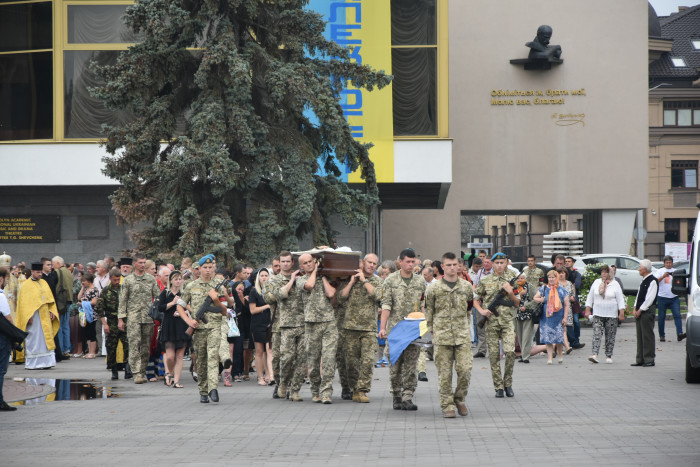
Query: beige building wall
[668,144]
[520,158]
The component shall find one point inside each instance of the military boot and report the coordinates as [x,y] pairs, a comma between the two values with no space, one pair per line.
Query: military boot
[346,395]
[127,372]
[398,405]
[115,373]
[362,397]
[356,397]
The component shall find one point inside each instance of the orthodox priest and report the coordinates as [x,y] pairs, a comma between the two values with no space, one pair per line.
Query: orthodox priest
[37,314]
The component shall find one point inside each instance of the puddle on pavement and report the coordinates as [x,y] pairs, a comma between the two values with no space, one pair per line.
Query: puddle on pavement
[68,390]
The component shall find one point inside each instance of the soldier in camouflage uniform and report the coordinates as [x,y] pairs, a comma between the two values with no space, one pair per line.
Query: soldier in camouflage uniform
[447,316]
[137,292]
[359,296]
[402,293]
[499,327]
[207,336]
[533,274]
[107,310]
[290,316]
[346,390]
[321,331]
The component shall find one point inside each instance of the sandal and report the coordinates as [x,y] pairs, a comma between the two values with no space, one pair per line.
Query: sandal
[246,377]
[90,355]
[261,382]
[177,385]
[153,380]
[166,380]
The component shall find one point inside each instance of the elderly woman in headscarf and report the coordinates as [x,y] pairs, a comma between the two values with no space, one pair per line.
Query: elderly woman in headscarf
[554,315]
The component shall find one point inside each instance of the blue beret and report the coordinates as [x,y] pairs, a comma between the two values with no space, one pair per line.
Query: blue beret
[206,259]
[499,255]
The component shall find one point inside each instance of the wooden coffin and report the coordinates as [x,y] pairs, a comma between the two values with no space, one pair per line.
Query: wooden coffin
[334,265]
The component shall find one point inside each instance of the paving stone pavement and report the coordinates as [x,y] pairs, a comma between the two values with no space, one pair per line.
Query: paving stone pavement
[576,413]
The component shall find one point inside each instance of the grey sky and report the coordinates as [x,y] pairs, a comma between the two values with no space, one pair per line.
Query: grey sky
[666,7]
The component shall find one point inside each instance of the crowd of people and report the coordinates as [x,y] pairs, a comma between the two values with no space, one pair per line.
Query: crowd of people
[297,326]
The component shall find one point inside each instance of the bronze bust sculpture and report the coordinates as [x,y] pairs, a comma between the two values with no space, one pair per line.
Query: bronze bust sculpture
[542,54]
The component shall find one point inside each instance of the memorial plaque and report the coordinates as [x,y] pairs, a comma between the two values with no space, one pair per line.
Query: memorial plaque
[30,229]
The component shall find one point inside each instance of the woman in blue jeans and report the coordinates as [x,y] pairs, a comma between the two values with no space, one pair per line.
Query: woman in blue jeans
[668,300]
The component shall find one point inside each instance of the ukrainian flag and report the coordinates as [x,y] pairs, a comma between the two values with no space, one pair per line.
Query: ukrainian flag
[401,336]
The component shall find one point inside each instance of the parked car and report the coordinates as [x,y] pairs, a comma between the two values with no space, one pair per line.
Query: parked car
[626,265]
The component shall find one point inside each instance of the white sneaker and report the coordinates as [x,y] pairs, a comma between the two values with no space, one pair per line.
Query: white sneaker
[608,360]
[593,359]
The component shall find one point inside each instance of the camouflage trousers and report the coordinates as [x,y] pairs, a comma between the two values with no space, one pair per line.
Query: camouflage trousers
[206,344]
[223,351]
[360,350]
[275,346]
[422,357]
[112,342]
[503,330]
[321,346]
[340,364]
[292,358]
[402,375]
[139,336]
[462,357]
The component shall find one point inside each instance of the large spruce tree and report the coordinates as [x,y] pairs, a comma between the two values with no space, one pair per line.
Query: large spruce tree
[220,155]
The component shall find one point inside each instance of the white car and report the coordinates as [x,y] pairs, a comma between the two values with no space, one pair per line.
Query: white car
[626,265]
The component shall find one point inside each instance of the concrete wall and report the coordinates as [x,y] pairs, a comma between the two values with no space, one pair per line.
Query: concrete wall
[89,230]
[509,158]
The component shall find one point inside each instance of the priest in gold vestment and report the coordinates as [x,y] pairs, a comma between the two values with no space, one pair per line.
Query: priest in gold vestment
[37,314]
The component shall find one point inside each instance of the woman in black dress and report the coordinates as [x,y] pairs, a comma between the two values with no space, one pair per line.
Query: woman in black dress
[260,321]
[172,333]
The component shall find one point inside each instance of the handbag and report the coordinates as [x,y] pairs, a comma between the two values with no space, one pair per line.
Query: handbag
[154,311]
[539,309]
[81,318]
[233,330]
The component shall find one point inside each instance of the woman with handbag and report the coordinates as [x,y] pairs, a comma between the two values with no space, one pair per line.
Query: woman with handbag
[554,315]
[524,327]
[88,293]
[607,300]
[570,298]
[172,332]
[260,321]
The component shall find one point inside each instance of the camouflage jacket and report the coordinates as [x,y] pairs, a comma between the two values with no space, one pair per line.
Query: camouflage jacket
[108,303]
[135,297]
[360,306]
[533,277]
[194,295]
[317,307]
[290,311]
[446,312]
[401,299]
[487,290]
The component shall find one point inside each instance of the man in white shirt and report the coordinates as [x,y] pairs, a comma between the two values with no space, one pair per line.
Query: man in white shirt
[102,276]
[5,345]
[644,312]
[668,300]
[474,270]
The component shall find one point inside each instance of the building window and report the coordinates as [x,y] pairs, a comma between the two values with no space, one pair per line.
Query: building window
[684,174]
[94,33]
[26,71]
[696,44]
[678,62]
[672,228]
[418,50]
[682,113]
